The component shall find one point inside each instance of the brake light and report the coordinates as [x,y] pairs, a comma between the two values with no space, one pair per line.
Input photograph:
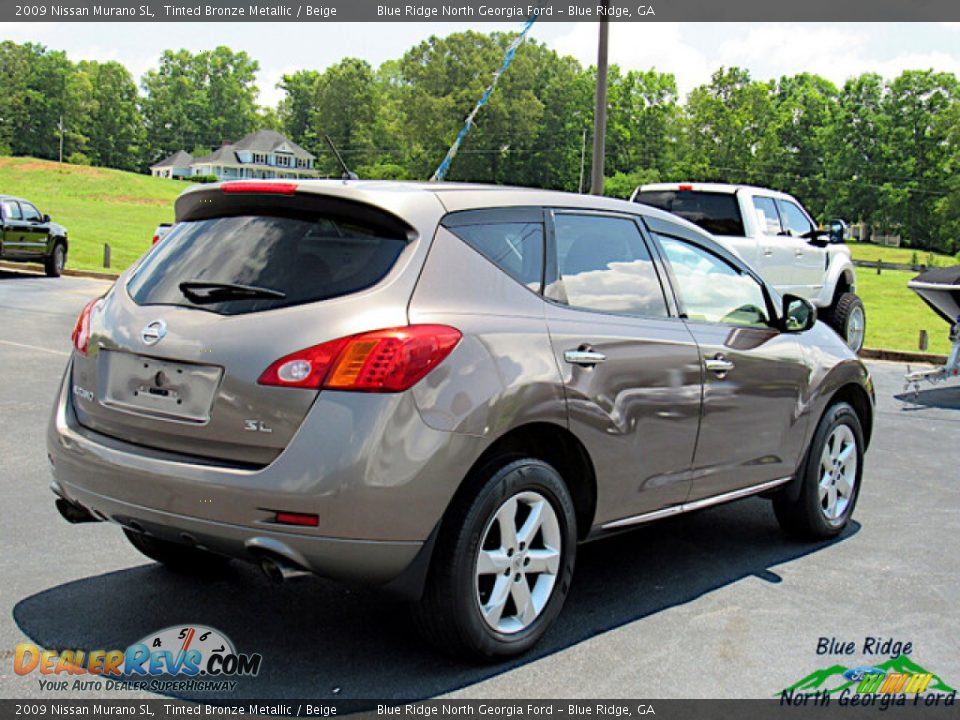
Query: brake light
[81,329]
[685,187]
[274,188]
[290,518]
[390,360]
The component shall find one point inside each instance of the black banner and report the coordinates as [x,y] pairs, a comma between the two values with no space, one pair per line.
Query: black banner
[813,706]
[471,11]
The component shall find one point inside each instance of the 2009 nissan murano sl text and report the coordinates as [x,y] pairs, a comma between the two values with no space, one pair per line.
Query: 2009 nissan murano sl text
[441,390]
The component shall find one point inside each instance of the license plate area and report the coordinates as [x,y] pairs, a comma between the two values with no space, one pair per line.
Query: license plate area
[158,388]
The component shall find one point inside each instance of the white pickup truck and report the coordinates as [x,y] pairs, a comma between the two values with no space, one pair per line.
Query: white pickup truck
[773,232]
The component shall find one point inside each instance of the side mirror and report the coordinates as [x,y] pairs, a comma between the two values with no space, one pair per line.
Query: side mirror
[799,314]
[838,231]
[46,218]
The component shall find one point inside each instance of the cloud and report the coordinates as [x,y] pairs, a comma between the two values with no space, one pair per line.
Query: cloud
[641,46]
[693,51]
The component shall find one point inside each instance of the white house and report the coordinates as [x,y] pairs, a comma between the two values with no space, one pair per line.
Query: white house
[262,154]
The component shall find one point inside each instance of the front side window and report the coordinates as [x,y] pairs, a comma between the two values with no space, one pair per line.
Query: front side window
[11,210]
[30,213]
[794,218]
[711,289]
[515,248]
[605,265]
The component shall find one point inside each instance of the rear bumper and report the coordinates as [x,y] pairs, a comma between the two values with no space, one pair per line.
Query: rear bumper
[375,474]
[362,561]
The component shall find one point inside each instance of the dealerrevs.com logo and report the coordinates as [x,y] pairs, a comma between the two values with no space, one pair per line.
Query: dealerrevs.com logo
[178,658]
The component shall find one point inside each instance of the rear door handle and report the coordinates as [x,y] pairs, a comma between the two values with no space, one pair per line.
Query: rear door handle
[583,357]
[767,251]
[719,365]
[798,252]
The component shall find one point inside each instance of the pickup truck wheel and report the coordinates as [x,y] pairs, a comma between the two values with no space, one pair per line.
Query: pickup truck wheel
[503,563]
[53,263]
[848,317]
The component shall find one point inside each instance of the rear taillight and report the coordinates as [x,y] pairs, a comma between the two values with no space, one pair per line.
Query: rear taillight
[390,360]
[156,239]
[81,330]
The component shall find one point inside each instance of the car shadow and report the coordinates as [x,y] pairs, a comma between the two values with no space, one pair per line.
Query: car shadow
[945,398]
[28,272]
[324,641]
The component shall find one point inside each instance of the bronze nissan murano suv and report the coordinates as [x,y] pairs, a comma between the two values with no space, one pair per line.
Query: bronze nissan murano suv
[441,390]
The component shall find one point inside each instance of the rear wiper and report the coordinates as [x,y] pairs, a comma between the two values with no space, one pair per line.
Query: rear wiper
[200,292]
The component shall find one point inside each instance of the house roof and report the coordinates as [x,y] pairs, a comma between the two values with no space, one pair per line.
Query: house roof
[267,141]
[181,158]
[225,153]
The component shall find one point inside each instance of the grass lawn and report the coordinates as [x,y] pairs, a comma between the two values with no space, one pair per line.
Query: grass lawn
[900,256]
[96,205]
[895,314]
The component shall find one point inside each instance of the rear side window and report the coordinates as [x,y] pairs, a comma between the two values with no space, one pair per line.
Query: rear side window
[11,210]
[717,213]
[767,215]
[515,248]
[605,266]
[282,261]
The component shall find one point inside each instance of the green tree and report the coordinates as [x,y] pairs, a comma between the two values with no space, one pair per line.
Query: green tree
[203,99]
[114,126]
[914,105]
[725,125]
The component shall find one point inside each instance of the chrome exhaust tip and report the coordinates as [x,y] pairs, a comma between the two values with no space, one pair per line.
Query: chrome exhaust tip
[73,513]
[279,570]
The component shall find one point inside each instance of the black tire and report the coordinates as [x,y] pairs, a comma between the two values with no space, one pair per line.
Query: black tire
[449,615]
[181,558]
[806,518]
[838,316]
[54,263]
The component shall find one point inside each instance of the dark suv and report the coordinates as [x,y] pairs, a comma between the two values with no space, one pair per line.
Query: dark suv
[26,235]
[441,389]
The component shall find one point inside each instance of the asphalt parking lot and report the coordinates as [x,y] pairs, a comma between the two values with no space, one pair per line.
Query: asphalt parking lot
[713,605]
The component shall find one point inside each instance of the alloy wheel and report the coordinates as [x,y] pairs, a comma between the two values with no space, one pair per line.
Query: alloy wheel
[518,562]
[838,473]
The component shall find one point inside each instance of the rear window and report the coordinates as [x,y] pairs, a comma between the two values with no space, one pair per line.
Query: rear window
[283,261]
[717,213]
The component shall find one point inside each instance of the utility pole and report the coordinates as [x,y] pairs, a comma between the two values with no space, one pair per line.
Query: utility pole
[60,128]
[583,155]
[600,107]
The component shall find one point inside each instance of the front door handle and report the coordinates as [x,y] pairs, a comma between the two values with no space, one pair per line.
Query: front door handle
[719,365]
[798,252]
[767,251]
[583,357]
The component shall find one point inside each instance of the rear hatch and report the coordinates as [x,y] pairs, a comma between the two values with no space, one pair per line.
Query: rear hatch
[716,212]
[177,348]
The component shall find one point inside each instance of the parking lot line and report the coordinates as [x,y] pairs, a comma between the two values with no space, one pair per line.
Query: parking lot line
[34,347]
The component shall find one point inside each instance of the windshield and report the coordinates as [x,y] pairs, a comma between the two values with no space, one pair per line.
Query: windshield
[717,213]
[284,260]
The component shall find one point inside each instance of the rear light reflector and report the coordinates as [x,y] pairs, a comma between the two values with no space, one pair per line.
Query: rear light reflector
[81,329]
[290,518]
[391,360]
[274,188]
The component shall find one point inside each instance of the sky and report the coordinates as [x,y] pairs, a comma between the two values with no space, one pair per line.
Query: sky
[691,51]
